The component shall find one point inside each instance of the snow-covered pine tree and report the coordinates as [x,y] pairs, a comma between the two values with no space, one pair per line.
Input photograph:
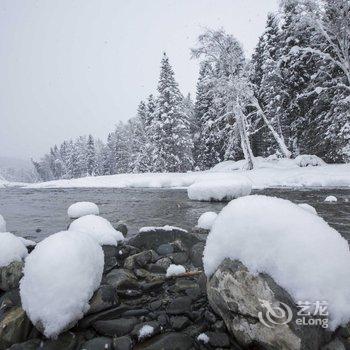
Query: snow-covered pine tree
[122,151]
[170,129]
[91,156]
[207,141]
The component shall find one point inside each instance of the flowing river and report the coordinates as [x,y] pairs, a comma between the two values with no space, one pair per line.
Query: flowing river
[37,213]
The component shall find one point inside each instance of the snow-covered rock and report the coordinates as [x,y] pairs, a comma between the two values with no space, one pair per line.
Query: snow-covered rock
[80,209]
[27,242]
[305,160]
[206,220]
[221,189]
[308,207]
[175,270]
[331,199]
[11,249]
[2,224]
[145,332]
[98,228]
[163,228]
[60,277]
[203,338]
[294,243]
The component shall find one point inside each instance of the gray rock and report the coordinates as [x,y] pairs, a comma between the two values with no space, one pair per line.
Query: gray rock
[122,343]
[164,263]
[9,300]
[14,327]
[121,279]
[121,227]
[179,258]
[196,254]
[33,344]
[180,305]
[165,249]
[153,239]
[179,322]
[335,344]
[104,298]
[10,275]
[141,259]
[99,343]
[218,339]
[110,255]
[66,341]
[117,327]
[167,341]
[234,294]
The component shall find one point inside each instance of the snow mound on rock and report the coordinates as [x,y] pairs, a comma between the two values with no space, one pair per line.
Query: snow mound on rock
[220,189]
[279,238]
[331,199]
[308,160]
[164,228]
[146,331]
[308,208]
[98,228]
[174,270]
[60,277]
[80,209]
[206,220]
[11,249]
[2,224]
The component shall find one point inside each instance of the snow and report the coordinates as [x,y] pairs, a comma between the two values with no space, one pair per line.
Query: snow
[2,224]
[164,228]
[331,199]
[203,337]
[305,160]
[308,208]
[224,189]
[60,277]
[275,236]
[11,249]
[145,331]
[175,270]
[27,242]
[206,220]
[268,172]
[98,228]
[79,209]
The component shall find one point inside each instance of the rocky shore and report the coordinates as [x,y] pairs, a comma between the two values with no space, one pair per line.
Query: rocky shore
[138,306]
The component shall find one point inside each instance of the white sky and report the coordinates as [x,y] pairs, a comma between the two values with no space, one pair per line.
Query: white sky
[74,67]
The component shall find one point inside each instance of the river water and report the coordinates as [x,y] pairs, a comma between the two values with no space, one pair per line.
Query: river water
[38,213]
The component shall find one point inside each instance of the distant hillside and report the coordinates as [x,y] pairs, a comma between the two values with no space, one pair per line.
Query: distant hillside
[16,169]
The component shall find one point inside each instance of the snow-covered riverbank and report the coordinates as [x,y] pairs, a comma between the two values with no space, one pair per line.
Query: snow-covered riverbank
[267,174]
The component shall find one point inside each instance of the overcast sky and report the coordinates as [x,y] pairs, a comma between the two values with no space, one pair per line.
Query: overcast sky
[75,67]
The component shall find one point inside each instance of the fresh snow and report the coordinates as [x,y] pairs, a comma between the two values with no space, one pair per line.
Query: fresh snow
[164,228]
[308,207]
[27,242]
[146,331]
[268,172]
[206,220]
[220,189]
[60,277]
[331,199]
[203,337]
[277,237]
[98,228]
[80,209]
[174,270]
[11,249]
[2,224]
[305,160]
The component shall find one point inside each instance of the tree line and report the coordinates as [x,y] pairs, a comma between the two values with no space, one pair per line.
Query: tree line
[292,97]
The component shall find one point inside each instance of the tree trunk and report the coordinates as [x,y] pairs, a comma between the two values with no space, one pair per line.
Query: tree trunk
[245,143]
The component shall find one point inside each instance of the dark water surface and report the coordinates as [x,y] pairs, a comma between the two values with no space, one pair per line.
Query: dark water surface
[26,210]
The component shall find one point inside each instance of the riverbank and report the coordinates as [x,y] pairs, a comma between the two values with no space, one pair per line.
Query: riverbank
[268,173]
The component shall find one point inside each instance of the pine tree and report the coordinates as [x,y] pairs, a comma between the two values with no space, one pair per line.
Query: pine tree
[91,156]
[170,129]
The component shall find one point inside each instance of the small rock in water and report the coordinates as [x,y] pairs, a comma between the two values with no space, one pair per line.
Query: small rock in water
[121,227]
